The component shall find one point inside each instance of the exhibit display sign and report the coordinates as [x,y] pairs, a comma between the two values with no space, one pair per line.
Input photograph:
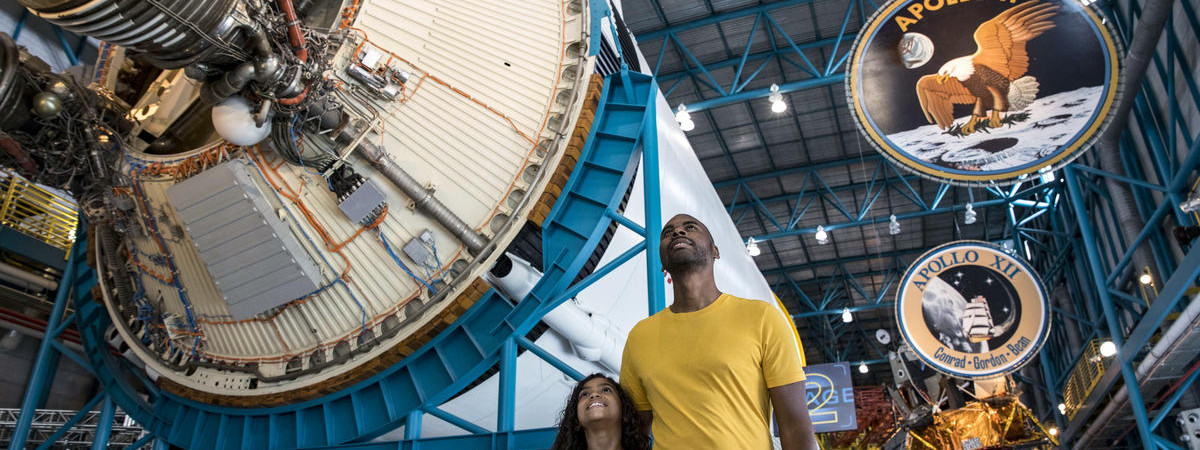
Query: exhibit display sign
[983,91]
[971,310]
[830,395]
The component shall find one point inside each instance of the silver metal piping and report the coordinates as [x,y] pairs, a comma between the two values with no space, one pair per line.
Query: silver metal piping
[424,199]
[25,279]
[1181,333]
[1108,147]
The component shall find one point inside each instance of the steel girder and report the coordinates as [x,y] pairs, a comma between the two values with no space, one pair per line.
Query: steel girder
[487,334]
[1024,201]
[728,79]
[1161,155]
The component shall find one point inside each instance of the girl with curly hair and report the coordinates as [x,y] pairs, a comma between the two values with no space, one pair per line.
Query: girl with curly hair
[599,416]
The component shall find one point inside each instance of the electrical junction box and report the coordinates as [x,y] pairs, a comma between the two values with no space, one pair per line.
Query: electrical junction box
[252,255]
[364,204]
[419,248]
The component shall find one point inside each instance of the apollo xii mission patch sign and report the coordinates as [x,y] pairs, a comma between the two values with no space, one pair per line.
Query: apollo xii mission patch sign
[971,310]
[983,91]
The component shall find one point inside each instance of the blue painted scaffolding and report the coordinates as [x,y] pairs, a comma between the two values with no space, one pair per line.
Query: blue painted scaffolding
[487,334]
[1064,222]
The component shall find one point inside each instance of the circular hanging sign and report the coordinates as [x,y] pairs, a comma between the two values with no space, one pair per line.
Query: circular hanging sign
[971,310]
[982,92]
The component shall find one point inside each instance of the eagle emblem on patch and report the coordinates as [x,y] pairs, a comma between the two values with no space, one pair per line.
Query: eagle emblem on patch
[983,91]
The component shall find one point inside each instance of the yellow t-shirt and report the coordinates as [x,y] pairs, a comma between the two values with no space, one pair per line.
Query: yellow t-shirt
[705,373]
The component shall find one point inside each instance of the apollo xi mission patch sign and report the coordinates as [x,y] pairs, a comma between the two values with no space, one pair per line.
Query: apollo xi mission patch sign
[971,310]
[983,91]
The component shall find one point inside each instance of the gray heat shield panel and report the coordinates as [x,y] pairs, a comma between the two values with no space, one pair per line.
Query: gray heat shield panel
[253,256]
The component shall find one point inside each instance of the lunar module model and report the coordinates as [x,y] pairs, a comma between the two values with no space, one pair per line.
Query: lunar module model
[938,410]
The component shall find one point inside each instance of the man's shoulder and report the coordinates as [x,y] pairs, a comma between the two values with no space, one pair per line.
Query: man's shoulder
[647,323]
[756,307]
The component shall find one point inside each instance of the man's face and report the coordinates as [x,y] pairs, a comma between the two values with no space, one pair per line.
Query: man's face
[685,243]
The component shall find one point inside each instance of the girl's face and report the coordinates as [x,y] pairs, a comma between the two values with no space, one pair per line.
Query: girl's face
[598,403]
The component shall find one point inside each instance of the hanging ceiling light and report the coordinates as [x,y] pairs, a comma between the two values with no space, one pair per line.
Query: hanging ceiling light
[1062,408]
[1053,431]
[893,226]
[1192,204]
[684,118]
[862,367]
[776,98]
[752,248]
[1108,348]
[847,317]
[969,215]
[822,236]
[1146,279]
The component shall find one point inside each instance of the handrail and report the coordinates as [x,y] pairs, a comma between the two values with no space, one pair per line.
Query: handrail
[36,211]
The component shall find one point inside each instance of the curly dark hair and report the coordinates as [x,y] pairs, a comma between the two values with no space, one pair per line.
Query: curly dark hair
[571,435]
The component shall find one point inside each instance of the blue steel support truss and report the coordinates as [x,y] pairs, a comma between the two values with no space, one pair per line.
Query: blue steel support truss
[1094,258]
[861,205]
[1044,218]
[487,334]
[1052,217]
[75,283]
[1023,202]
[727,80]
[1083,253]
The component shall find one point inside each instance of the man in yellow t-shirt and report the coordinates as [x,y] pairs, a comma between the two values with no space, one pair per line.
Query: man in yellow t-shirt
[705,372]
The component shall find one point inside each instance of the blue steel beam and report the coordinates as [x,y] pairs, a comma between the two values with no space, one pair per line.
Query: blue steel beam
[740,62]
[453,420]
[1024,205]
[807,168]
[857,217]
[1128,347]
[844,260]
[656,290]
[141,442]
[702,72]
[838,311]
[1180,390]
[838,290]
[70,423]
[1184,275]
[47,356]
[482,337]
[26,245]
[104,427]
[16,34]
[718,18]
[877,220]
[763,93]
[412,425]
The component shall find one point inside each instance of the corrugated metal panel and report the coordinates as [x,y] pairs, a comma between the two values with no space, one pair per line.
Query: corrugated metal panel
[253,258]
[485,77]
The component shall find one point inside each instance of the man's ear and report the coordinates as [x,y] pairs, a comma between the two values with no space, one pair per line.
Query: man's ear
[716,252]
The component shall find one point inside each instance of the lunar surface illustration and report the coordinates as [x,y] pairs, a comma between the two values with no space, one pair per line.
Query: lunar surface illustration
[1053,122]
[968,326]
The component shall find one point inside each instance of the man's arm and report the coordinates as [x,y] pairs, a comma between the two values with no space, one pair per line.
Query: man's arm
[646,419]
[791,410]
